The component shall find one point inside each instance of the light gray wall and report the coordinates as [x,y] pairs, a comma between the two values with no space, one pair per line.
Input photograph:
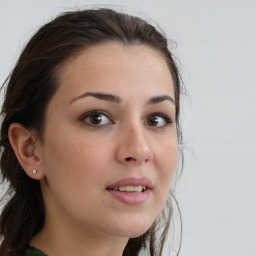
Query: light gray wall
[217,52]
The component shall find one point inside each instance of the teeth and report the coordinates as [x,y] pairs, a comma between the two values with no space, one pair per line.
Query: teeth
[131,188]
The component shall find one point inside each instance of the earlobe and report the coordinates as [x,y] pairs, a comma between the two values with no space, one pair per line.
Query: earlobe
[23,144]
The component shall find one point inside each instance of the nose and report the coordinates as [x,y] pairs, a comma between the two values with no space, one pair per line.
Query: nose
[133,147]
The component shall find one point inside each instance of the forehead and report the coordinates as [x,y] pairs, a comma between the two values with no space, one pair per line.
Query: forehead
[116,68]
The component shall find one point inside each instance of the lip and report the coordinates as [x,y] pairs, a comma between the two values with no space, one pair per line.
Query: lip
[132,182]
[131,198]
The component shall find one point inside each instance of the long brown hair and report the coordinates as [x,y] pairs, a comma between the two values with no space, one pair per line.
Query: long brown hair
[32,84]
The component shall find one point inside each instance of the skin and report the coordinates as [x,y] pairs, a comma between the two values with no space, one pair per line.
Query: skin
[76,161]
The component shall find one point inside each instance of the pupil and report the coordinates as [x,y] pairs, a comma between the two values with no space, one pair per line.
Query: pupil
[95,119]
[153,120]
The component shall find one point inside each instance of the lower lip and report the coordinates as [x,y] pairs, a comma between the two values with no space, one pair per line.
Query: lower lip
[131,198]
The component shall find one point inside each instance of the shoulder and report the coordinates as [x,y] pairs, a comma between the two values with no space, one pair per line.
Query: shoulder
[32,251]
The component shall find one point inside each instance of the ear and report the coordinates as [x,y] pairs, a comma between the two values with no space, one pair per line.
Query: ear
[24,145]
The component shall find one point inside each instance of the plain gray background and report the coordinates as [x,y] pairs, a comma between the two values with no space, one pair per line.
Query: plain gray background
[216,48]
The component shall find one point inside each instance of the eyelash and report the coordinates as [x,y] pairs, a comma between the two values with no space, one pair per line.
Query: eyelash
[167,119]
[94,112]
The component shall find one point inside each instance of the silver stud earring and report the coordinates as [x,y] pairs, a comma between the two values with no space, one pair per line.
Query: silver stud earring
[34,171]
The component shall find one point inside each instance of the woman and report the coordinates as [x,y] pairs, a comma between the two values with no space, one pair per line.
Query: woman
[89,138]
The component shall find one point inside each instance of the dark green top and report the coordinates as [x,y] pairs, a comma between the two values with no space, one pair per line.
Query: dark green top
[31,251]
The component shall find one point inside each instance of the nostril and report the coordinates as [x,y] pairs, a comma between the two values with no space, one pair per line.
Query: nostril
[128,159]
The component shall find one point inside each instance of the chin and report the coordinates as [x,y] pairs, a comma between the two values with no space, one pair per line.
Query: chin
[138,234]
[133,228]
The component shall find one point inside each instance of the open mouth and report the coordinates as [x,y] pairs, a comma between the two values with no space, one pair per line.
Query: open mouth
[131,189]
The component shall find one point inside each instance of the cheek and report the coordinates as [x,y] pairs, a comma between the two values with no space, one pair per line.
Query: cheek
[166,161]
[167,154]
[73,168]
[77,159]
[91,154]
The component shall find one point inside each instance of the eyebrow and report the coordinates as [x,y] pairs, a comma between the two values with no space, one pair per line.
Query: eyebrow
[99,95]
[117,99]
[158,99]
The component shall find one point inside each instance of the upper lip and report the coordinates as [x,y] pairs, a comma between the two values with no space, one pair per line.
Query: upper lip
[132,182]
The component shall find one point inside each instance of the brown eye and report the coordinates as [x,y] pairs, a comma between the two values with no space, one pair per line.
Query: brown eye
[96,119]
[153,121]
[158,120]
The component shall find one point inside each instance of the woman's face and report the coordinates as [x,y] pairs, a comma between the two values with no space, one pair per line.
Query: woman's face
[110,143]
